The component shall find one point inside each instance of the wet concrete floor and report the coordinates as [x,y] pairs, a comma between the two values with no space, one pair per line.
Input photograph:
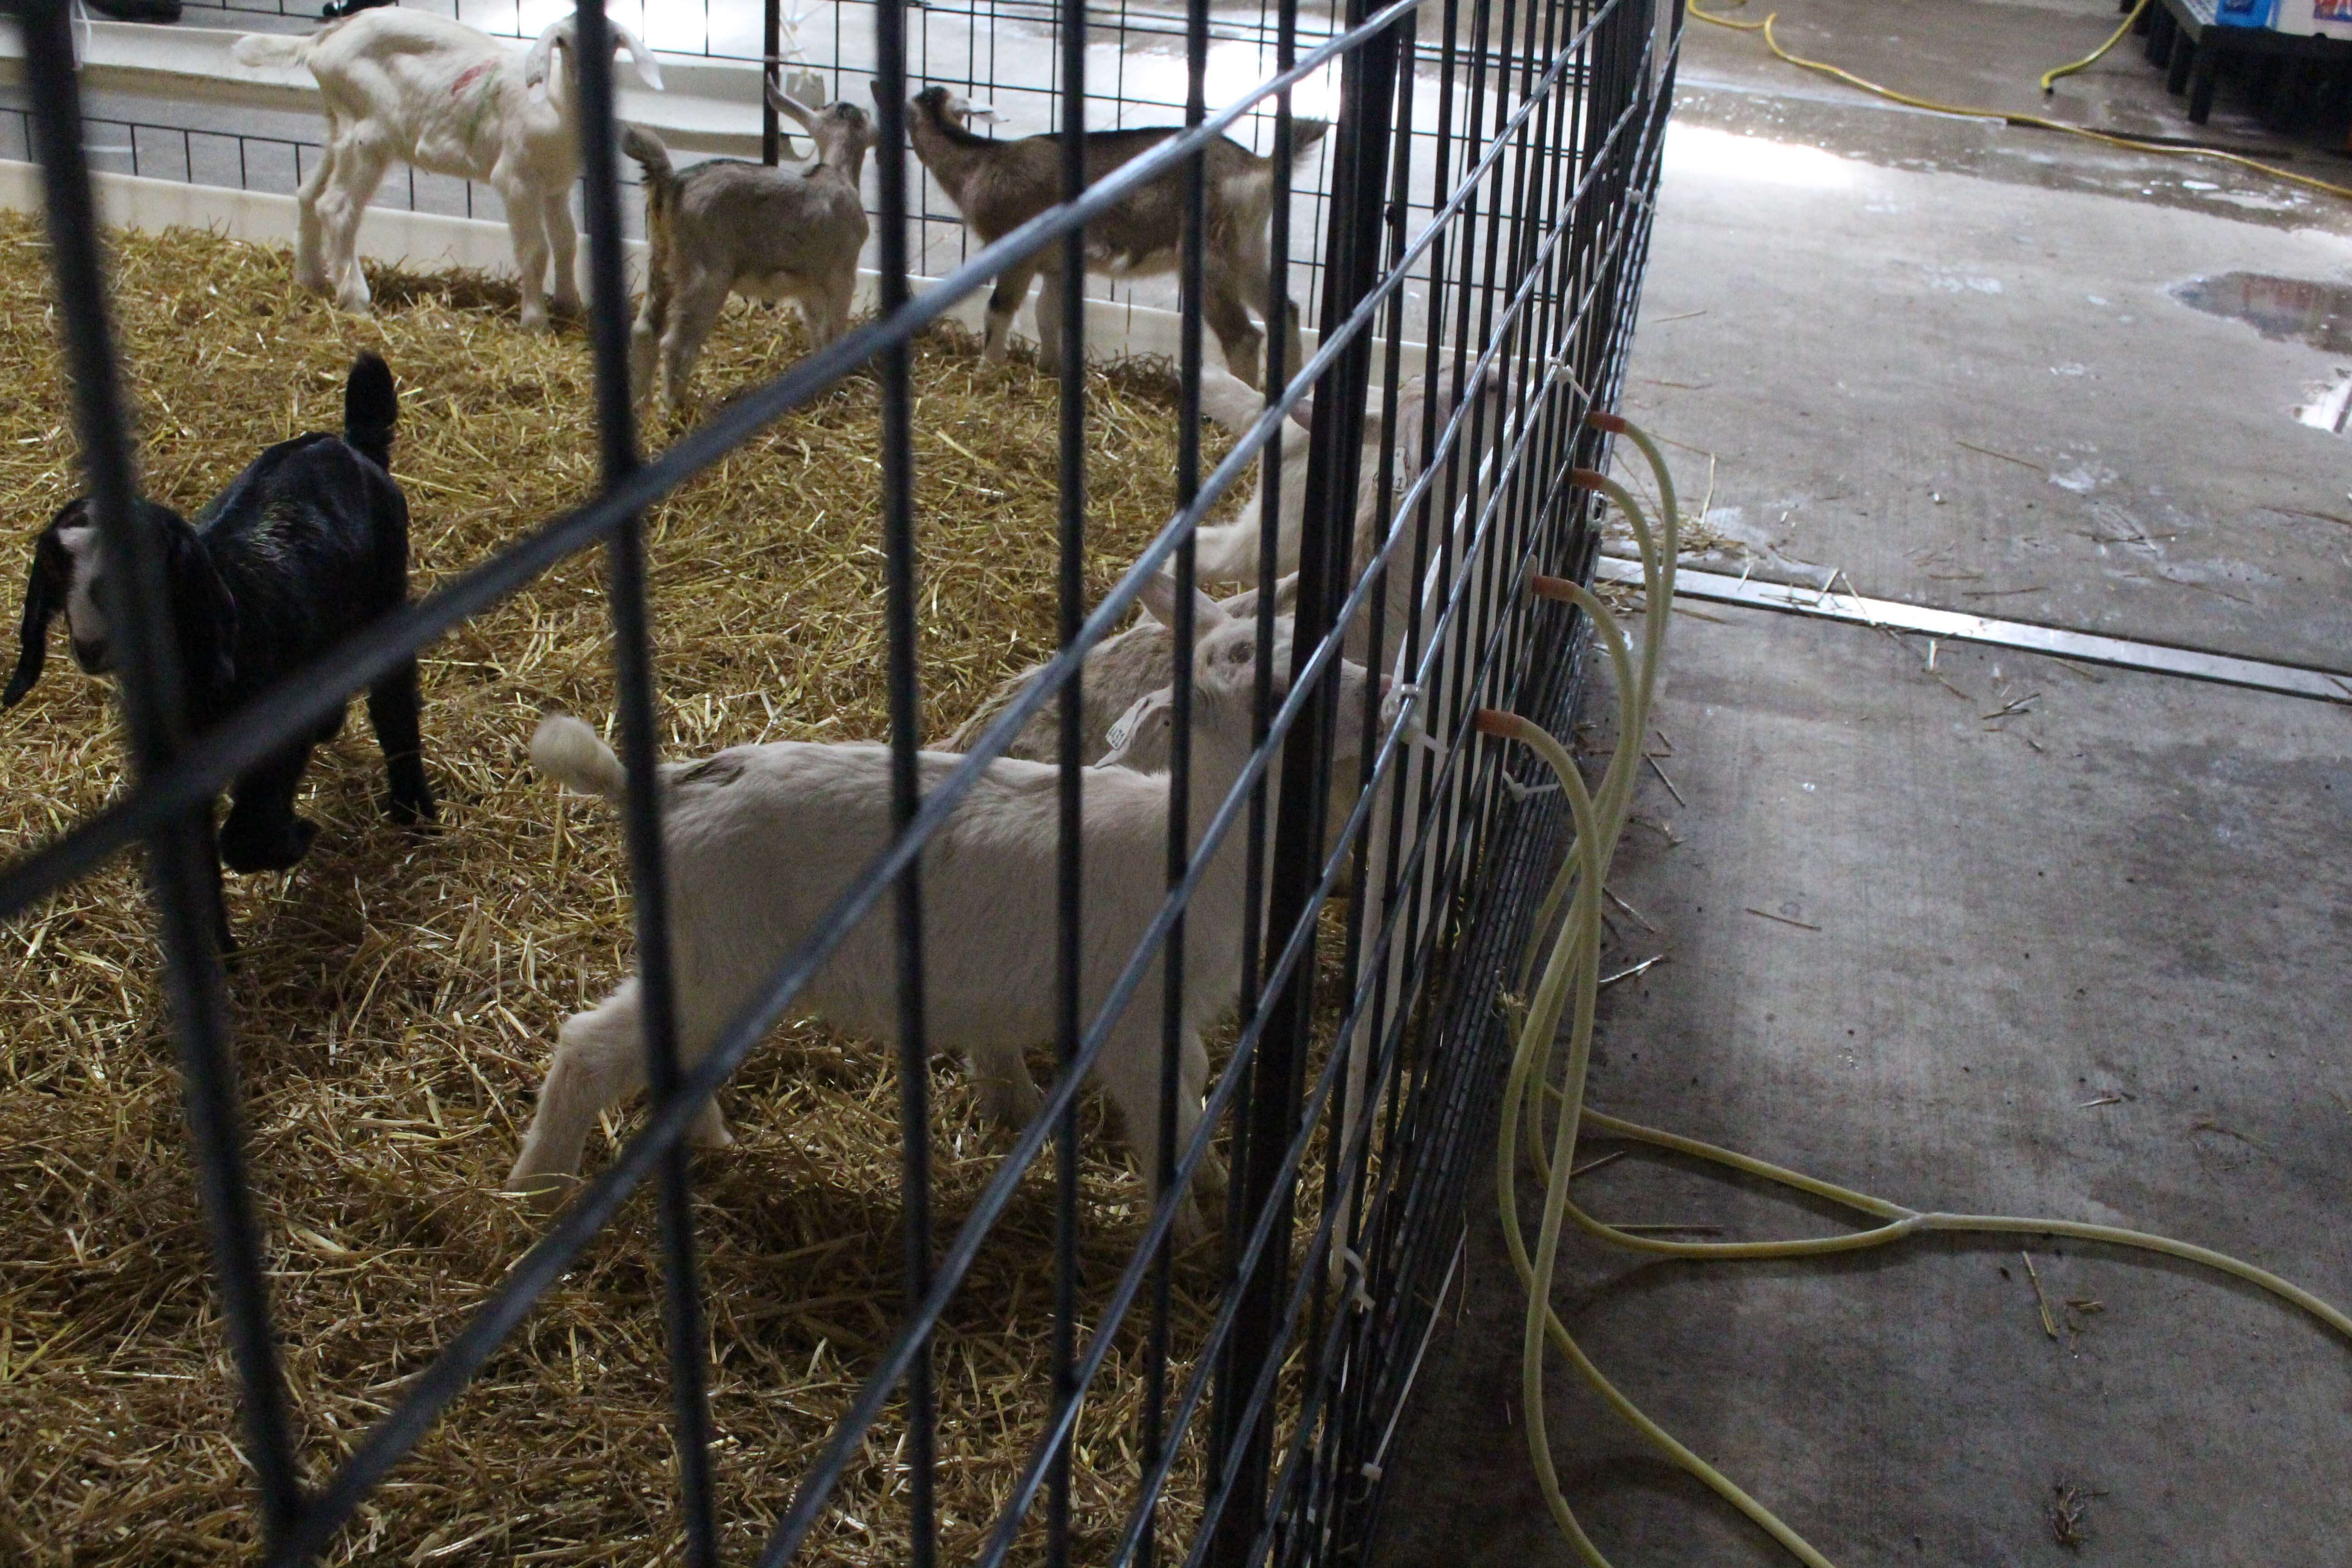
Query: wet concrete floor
[2049,940]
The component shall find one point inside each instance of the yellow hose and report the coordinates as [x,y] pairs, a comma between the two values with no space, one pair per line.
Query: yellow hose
[2050,77]
[2034,121]
[1569,982]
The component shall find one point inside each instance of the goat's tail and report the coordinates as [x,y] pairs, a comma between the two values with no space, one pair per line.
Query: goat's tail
[661,201]
[279,49]
[1304,134]
[653,157]
[569,753]
[371,408]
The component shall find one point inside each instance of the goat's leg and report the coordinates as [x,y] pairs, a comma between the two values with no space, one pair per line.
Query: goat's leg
[1049,321]
[1129,1069]
[1192,1090]
[562,249]
[223,940]
[599,1060]
[644,338]
[694,310]
[310,262]
[360,162]
[262,833]
[1221,309]
[824,306]
[392,706]
[1012,287]
[1008,1095]
[527,227]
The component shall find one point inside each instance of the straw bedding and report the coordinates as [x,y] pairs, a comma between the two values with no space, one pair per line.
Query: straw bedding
[397,995]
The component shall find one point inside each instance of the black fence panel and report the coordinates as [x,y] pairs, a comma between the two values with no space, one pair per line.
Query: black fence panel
[1481,208]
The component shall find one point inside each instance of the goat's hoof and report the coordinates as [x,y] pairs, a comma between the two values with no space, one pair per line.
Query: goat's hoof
[281,851]
[407,811]
[709,1129]
[1190,1230]
[1209,1179]
[1005,1103]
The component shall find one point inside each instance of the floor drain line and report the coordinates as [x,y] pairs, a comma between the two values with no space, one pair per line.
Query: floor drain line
[2087,648]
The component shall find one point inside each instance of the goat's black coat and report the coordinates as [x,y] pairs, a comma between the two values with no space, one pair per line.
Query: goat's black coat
[304,547]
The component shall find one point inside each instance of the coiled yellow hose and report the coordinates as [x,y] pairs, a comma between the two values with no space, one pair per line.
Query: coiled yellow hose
[2036,122]
[1569,984]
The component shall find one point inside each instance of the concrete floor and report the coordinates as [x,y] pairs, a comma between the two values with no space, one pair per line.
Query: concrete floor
[2086,962]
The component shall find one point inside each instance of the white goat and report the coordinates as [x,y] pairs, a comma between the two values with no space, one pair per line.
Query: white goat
[1228,551]
[724,225]
[1121,669]
[761,839]
[420,88]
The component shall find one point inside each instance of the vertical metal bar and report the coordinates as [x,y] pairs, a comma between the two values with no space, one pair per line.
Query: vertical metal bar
[1068,954]
[1352,246]
[1233,1392]
[905,784]
[634,682]
[1191,266]
[1409,788]
[1345,1180]
[772,44]
[182,869]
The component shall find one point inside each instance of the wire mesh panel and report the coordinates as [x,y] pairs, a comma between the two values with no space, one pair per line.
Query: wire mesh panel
[1321,873]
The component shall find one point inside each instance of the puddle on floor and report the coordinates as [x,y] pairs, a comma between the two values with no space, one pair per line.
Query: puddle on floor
[2278,308]
[2287,308]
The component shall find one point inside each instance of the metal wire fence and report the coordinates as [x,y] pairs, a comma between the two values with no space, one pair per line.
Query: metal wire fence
[1369,1041]
[1002,53]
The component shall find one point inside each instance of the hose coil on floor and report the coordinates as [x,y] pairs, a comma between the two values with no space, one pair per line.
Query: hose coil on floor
[1569,985]
[2033,122]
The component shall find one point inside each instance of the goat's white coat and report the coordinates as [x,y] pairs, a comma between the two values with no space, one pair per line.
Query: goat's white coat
[400,85]
[761,839]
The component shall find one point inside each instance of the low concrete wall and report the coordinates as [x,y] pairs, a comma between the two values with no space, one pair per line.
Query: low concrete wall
[428,241]
[709,106]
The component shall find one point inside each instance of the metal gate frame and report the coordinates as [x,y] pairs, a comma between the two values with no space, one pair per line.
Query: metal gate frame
[1546,295]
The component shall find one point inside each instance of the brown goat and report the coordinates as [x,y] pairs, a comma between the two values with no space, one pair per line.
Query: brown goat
[1000,185]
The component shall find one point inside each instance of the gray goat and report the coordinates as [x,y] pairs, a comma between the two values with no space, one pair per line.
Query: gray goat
[1000,185]
[728,227]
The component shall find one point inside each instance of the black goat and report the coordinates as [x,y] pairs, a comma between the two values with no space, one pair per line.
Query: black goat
[306,546]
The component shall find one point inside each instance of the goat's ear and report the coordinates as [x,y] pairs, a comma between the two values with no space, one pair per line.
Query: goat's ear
[45,594]
[541,60]
[783,102]
[204,612]
[1304,132]
[1158,599]
[641,59]
[1302,413]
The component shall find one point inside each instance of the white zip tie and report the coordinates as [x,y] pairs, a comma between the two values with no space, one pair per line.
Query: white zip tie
[1359,1298]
